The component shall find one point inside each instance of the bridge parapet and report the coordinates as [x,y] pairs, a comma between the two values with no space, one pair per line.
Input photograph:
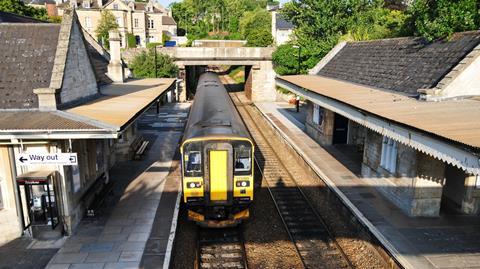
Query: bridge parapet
[218,54]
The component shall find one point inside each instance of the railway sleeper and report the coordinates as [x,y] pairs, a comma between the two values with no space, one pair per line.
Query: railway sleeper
[238,265]
[231,247]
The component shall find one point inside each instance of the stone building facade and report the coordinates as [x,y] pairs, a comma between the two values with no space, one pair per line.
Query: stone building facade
[352,96]
[52,74]
[147,21]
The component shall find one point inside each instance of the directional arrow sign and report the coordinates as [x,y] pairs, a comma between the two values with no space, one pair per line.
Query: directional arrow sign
[46,158]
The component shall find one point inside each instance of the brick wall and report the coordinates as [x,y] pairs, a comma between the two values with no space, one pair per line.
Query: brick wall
[79,79]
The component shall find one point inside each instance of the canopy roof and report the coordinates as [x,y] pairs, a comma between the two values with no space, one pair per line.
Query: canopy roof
[122,103]
[457,120]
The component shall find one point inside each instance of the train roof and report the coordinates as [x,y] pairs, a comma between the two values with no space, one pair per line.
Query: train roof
[213,113]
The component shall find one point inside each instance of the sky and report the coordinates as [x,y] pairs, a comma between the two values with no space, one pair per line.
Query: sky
[165,3]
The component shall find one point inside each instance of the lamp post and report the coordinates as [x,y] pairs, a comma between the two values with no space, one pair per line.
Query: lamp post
[299,55]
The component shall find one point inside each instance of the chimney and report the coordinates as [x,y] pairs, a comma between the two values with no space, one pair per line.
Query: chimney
[115,69]
[47,98]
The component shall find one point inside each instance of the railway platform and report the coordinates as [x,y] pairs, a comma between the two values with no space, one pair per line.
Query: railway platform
[136,229]
[449,241]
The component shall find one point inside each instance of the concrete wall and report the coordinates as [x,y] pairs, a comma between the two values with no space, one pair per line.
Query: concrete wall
[79,79]
[321,133]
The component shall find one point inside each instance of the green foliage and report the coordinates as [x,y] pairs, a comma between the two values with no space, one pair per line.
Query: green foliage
[442,18]
[131,41]
[55,19]
[219,19]
[165,38]
[255,27]
[152,45]
[237,73]
[143,65]
[18,7]
[285,60]
[106,24]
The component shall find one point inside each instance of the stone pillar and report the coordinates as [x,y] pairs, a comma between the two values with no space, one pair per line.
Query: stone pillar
[263,82]
[115,69]
[181,84]
[47,98]
[428,186]
[471,200]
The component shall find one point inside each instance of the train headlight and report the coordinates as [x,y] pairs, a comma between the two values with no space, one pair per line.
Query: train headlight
[193,185]
[242,183]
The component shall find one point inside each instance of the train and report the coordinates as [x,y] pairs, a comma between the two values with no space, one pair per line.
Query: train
[217,155]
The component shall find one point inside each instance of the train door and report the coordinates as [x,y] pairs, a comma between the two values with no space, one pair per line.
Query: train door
[219,172]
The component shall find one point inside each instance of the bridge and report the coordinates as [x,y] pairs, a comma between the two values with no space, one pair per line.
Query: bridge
[259,74]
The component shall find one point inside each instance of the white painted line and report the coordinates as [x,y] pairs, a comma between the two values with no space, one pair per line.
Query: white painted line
[173,228]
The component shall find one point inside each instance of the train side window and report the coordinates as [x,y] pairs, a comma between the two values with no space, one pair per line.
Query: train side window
[194,162]
[243,160]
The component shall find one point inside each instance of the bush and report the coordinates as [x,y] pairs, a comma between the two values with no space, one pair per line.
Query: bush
[153,45]
[131,41]
[143,65]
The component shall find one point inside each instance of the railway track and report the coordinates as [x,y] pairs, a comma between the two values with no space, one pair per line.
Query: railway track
[315,244]
[221,248]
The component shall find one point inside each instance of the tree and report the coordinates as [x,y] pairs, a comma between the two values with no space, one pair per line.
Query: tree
[320,24]
[285,60]
[255,27]
[437,19]
[107,23]
[143,65]
[18,7]
[131,41]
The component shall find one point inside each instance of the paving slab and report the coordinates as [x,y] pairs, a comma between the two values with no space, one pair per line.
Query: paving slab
[118,238]
[448,241]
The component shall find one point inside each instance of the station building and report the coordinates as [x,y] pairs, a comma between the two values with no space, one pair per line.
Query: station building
[57,96]
[406,113]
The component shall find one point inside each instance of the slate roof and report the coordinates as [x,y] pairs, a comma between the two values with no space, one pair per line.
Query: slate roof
[36,120]
[27,53]
[10,17]
[283,24]
[401,64]
[167,20]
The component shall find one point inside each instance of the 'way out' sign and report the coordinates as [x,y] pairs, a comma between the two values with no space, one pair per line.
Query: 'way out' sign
[48,158]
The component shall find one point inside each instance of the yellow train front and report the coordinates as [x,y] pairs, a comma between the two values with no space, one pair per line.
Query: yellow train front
[217,158]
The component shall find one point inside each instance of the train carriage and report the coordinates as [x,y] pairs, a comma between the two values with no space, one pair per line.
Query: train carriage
[217,158]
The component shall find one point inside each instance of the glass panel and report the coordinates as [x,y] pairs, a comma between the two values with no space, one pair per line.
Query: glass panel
[242,160]
[1,199]
[194,162]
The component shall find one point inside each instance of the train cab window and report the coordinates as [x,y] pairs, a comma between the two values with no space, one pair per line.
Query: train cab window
[243,159]
[193,162]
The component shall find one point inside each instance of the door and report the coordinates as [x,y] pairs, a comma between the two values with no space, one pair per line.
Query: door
[340,129]
[218,175]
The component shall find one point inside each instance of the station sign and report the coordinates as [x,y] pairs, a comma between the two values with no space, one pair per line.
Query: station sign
[65,159]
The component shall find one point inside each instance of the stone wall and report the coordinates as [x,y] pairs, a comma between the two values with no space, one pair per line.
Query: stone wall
[79,79]
[263,82]
[321,133]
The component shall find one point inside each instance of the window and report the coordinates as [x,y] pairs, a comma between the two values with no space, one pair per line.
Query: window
[88,22]
[243,159]
[317,114]
[118,20]
[193,162]
[477,182]
[389,155]
[151,38]
[86,4]
[115,6]
[135,23]
[150,24]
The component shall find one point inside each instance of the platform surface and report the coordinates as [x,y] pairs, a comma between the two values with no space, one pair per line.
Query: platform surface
[449,241]
[148,193]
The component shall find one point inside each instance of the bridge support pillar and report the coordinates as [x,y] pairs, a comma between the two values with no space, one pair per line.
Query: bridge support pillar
[262,82]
